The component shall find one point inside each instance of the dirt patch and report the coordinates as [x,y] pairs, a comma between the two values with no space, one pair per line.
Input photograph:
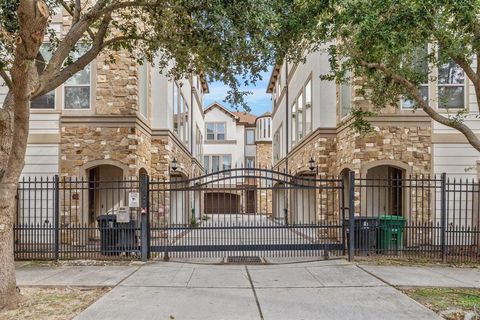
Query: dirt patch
[53,303]
[394,261]
[451,303]
[46,263]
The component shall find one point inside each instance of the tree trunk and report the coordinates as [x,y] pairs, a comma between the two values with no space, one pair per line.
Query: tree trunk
[8,292]
[33,20]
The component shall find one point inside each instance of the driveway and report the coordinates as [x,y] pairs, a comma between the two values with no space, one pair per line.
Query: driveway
[331,289]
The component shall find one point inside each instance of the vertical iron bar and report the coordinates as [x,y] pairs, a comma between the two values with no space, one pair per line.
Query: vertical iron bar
[57,215]
[351,216]
[443,215]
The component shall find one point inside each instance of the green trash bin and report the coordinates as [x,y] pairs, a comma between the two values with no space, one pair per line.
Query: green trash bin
[390,233]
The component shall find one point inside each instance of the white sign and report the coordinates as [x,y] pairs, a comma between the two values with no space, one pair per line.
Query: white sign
[134,200]
[123,215]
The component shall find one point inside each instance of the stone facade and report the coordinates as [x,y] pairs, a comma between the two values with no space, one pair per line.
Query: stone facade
[264,160]
[399,142]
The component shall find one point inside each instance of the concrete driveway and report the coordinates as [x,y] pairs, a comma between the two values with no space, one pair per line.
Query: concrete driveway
[331,289]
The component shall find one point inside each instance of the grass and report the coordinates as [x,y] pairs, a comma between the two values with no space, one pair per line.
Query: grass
[53,303]
[452,303]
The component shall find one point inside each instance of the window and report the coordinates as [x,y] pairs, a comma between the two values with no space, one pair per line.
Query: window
[300,117]
[345,99]
[143,89]
[277,144]
[420,65]
[308,107]
[175,108]
[198,143]
[181,129]
[294,123]
[451,86]
[250,136]
[47,101]
[215,131]
[77,88]
[215,163]
[250,162]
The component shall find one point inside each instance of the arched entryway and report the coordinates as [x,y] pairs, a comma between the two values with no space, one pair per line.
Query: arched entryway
[105,193]
[384,190]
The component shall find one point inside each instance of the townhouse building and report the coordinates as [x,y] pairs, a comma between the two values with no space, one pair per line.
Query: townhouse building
[236,140]
[109,123]
[312,119]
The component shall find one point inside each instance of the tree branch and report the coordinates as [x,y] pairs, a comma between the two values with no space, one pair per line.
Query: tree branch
[74,21]
[6,79]
[77,10]
[415,94]
[56,79]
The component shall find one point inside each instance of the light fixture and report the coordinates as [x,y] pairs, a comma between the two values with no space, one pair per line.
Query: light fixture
[311,164]
[174,164]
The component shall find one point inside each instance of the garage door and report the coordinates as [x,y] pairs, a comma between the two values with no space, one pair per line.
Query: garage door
[222,203]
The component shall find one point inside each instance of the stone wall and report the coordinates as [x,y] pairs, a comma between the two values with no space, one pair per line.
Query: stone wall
[264,195]
[116,86]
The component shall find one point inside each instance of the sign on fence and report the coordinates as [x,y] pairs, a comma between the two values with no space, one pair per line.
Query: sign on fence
[134,200]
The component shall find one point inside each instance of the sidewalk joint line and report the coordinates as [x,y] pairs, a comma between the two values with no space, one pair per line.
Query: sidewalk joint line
[254,293]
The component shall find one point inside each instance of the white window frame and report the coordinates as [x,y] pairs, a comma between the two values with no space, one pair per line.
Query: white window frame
[216,131]
[90,91]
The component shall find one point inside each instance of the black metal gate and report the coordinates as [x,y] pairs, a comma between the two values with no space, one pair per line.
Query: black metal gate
[245,212]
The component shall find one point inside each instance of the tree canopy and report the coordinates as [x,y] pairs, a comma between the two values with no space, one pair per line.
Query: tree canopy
[384,42]
[224,40]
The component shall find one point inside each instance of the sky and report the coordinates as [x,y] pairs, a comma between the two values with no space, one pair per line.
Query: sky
[260,101]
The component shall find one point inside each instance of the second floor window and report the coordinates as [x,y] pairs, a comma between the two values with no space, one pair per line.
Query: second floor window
[277,140]
[250,136]
[345,99]
[420,65]
[77,88]
[143,89]
[451,86]
[215,131]
[47,101]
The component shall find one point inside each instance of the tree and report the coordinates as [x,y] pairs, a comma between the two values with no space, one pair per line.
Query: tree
[380,44]
[220,39]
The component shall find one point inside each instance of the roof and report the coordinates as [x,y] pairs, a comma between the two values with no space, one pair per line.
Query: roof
[273,77]
[245,117]
[222,108]
[242,117]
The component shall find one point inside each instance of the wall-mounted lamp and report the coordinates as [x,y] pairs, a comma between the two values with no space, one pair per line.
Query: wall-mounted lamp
[311,164]
[174,164]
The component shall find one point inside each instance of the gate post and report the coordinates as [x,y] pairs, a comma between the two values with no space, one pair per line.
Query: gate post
[351,215]
[144,205]
[443,216]
[56,209]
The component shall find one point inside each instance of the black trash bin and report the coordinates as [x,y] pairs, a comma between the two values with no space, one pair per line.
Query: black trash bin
[365,233]
[115,238]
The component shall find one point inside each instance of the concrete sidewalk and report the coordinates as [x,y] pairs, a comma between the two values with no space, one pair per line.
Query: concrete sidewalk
[309,290]
[420,276]
[75,276]
[333,289]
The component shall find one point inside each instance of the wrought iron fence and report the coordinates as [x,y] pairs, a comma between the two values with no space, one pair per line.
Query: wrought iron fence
[249,211]
[434,218]
[70,218]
